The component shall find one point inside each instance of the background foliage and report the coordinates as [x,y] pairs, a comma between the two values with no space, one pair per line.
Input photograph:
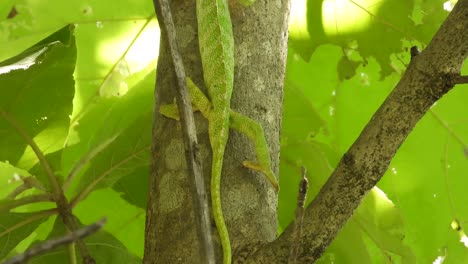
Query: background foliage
[85,95]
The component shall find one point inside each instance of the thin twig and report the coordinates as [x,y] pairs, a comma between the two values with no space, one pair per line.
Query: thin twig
[461,80]
[297,233]
[49,245]
[192,155]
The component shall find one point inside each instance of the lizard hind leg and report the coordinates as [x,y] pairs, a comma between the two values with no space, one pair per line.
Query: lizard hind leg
[254,132]
[218,212]
[198,99]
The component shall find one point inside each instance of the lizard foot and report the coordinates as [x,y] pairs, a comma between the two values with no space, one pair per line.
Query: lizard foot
[170,111]
[266,171]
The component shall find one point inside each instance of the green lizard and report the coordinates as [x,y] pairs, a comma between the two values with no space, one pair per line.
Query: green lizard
[216,43]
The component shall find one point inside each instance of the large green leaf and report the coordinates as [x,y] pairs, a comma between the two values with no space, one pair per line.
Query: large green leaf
[127,124]
[342,251]
[101,111]
[14,227]
[134,188]
[124,221]
[128,152]
[373,28]
[382,223]
[37,19]
[35,96]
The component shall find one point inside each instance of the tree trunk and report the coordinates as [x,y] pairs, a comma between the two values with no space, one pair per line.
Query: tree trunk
[249,202]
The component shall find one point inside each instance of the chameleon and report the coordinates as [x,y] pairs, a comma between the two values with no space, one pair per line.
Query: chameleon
[216,45]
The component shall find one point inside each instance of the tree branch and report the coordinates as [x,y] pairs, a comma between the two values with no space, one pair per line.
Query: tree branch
[428,77]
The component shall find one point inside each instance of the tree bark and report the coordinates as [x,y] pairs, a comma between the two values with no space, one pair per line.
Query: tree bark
[249,202]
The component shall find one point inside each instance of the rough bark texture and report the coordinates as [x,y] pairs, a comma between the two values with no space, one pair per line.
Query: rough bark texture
[249,202]
[429,76]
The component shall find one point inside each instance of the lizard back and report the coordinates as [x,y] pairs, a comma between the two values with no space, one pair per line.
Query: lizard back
[216,43]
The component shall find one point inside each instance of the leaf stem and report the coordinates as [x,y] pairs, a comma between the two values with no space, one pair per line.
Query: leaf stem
[26,200]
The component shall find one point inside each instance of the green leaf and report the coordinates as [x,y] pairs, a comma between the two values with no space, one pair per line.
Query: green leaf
[127,153]
[124,221]
[14,227]
[134,188]
[373,28]
[103,119]
[127,118]
[36,98]
[10,178]
[429,15]
[308,87]
[37,19]
[383,223]
[342,251]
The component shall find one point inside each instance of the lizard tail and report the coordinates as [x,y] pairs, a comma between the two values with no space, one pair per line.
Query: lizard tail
[218,137]
[219,218]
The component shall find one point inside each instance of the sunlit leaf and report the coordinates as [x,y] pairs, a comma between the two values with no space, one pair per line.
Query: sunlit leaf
[37,99]
[37,19]
[372,27]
